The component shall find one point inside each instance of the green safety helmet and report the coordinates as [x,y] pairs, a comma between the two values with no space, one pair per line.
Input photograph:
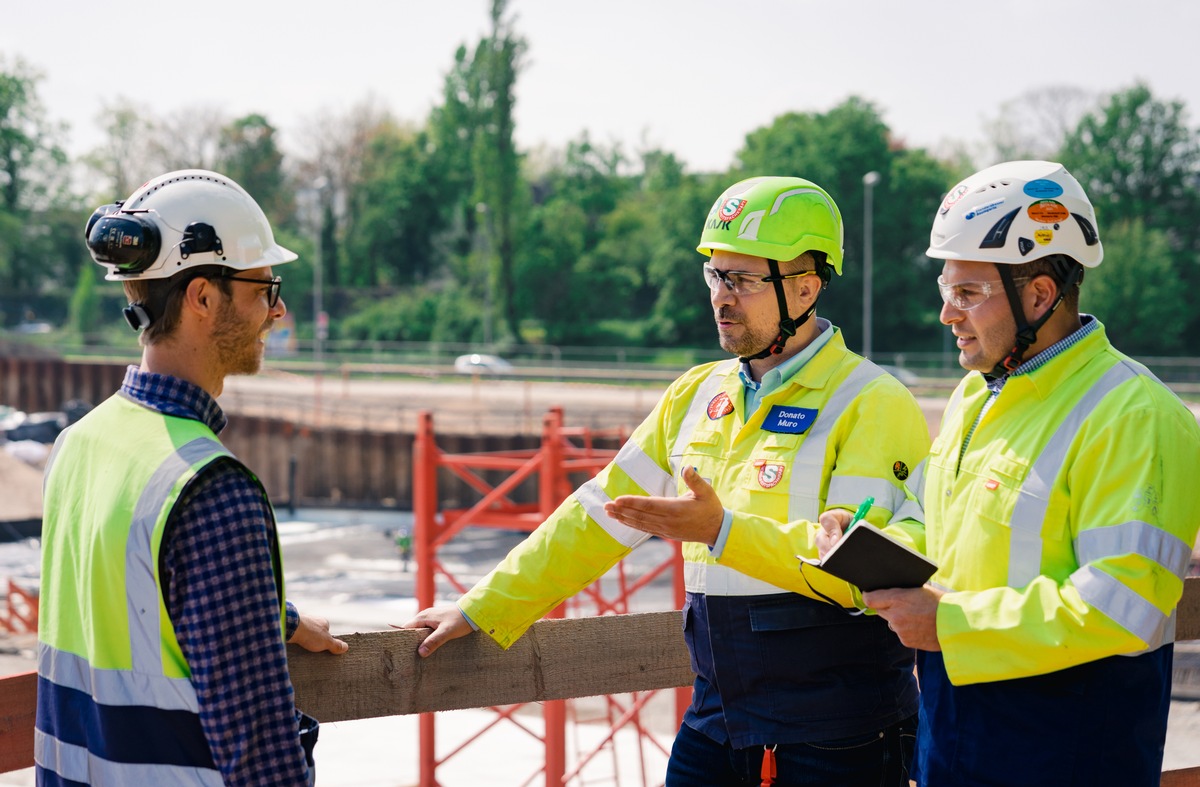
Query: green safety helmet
[778,218]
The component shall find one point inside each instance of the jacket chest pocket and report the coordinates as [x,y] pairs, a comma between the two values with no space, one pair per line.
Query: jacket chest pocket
[993,492]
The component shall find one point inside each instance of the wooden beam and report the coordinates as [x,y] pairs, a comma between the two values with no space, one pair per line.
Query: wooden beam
[1187,622]
[382,675]
[18,703]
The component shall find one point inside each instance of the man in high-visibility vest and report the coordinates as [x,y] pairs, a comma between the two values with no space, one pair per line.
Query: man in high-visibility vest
[161,654]
[740,454]
[1060,506]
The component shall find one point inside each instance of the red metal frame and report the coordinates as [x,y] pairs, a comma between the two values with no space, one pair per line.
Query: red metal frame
[20,614]
[553,464]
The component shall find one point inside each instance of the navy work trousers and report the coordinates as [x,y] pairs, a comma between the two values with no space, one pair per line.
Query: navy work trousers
[876,759]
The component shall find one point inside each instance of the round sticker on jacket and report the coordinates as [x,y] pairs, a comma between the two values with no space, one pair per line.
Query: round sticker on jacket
[719,406]
[769,474]
[900,470]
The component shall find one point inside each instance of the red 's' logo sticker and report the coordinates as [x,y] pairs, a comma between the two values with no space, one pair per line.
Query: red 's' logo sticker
[769,474]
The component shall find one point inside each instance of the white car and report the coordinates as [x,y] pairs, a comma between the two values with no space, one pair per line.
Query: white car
[480,363]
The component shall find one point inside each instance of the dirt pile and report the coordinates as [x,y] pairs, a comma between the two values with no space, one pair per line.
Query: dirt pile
[20,489]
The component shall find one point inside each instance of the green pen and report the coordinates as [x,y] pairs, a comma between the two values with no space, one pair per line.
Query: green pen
[863,508]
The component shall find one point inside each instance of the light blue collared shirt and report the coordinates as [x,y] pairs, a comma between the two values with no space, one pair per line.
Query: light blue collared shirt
[755,391]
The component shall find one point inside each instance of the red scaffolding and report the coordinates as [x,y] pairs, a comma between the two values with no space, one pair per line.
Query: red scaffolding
[563,452]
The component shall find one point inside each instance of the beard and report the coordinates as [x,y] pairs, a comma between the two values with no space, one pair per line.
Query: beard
[236,341]
[741,339]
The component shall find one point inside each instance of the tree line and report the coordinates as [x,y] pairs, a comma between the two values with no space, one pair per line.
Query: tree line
[444,231]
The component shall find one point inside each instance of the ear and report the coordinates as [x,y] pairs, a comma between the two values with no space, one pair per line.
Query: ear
[202,297]
[1039,295]
[808,288]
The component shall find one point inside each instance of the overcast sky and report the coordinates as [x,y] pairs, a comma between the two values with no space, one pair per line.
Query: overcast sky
[688,77]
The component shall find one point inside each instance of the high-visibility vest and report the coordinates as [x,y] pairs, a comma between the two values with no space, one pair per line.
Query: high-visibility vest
[838,431]
[115,701]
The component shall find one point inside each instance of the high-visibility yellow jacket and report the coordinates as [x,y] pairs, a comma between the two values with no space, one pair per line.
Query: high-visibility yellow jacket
[1066,528]
[115,701]
[838,431]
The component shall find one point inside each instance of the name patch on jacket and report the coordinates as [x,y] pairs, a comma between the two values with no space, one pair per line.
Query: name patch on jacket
[789,420]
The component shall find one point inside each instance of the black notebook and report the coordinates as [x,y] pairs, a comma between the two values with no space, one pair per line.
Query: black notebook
[869,559]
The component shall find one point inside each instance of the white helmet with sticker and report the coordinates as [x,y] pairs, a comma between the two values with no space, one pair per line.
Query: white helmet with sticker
[1017,212]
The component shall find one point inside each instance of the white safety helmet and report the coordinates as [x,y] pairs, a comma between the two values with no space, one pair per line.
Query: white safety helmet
[182,220]
[1017,212]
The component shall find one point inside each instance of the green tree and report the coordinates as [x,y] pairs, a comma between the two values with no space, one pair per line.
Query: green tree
[494,156]
[248,152]
[1138,160]
[1135,293]
[562,268]
[33,187]
[126,158]
[835,150]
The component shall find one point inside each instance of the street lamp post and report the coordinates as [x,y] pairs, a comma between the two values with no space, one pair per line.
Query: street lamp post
[869,181]
[320,324]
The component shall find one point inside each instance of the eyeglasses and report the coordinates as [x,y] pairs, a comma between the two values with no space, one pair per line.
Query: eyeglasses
[273,287]
[744,282]
[967,295]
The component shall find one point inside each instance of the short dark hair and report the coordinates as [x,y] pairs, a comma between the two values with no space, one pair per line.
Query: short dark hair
[1057,267]
[161,298]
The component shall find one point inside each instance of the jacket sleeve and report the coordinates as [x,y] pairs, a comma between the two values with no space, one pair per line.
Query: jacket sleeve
[877,443]
[578,543]
[1127,488]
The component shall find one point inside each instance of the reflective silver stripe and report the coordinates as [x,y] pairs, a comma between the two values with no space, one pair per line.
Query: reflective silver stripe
[1124,606]
[76,763]
[854,489]
[953,403]
[115,687]
[644,471]
[1029,513]
[593,497]
[58,444]
[141,591]
[909,509]
[1138,538]
[915,483]
[808,467]
[696,410]
[714,579]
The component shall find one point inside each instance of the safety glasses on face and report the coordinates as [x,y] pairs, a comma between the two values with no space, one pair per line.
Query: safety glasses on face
[967,295]
[272,293]
[744,282]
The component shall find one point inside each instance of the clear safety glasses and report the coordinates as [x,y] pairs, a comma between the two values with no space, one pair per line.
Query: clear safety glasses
[967,295]
[744,282]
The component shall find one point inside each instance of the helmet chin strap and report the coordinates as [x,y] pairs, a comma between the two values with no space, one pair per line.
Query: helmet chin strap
[787,325]
[1026,332]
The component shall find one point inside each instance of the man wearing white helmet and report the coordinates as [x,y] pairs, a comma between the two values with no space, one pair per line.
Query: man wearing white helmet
[1059,505]
[161,654]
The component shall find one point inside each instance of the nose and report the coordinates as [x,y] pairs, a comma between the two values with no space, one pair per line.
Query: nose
[720,295]
[279,310]
[950,315]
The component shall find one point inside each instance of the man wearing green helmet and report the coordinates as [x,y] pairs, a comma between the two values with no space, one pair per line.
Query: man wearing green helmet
[738,460]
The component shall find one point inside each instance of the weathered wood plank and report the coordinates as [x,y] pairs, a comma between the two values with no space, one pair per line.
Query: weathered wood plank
[382,675]
[1187,623]
[18,703]
[1183,777]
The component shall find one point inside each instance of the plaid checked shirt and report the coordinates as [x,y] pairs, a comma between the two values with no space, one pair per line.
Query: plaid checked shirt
[221,596]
